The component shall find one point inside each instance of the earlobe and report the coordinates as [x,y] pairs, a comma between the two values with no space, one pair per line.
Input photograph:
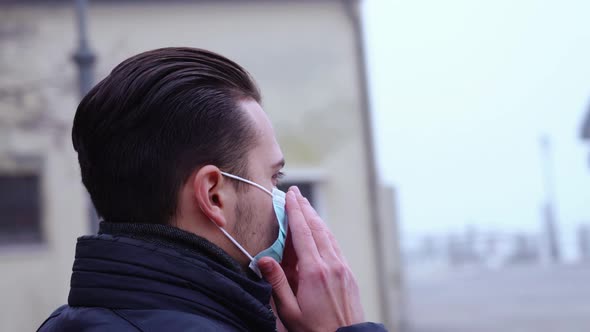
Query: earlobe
[209,195]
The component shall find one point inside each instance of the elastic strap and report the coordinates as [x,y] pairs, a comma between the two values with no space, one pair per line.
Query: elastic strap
[247,181]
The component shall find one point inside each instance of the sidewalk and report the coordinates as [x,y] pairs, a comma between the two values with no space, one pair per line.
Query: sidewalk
[511,299]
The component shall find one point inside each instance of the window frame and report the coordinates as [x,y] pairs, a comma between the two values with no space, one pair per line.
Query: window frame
[26,165]
[316,178]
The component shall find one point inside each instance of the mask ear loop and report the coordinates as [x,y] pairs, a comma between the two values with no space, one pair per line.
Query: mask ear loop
[224,231]
[236,243]
[247,181]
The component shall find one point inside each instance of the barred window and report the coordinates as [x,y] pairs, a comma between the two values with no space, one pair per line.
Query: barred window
[20,209]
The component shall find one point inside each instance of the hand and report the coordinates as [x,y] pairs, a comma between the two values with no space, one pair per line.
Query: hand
[313,288]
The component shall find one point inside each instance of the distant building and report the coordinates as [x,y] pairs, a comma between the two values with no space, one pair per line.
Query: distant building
[586,130]
[307,57]
[584,242]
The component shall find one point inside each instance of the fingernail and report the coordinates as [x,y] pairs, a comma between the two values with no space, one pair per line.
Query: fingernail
[297,190]
[290,193]
[265,266]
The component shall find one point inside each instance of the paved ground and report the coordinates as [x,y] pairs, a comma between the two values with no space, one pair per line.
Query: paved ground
[514,299]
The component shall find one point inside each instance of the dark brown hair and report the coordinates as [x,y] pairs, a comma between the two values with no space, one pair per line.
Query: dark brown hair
[152,121]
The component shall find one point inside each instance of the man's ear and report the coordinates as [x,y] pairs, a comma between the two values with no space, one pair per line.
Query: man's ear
[208,186]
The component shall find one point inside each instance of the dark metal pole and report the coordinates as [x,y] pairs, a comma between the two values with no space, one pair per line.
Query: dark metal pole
[352,7]
[550,220]
[85,59]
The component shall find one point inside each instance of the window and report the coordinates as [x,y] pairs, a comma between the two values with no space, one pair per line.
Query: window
[309,183]
[306,189]
[20,209]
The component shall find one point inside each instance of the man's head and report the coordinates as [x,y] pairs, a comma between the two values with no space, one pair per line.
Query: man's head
[153,137]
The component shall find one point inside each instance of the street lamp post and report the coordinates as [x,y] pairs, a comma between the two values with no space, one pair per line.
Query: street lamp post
[84,59]
[549,219]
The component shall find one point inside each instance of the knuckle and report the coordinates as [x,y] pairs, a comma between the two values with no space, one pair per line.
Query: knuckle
[303,201]
[291,207]
[306,232]
[324,276]
[317,221]
[321,273]
[340,271]
[316,224]
[278,281]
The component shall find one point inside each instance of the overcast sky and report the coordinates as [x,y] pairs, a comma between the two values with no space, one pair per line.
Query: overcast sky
[462,91]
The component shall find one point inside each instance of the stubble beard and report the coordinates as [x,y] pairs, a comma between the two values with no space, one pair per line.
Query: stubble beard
[250,233]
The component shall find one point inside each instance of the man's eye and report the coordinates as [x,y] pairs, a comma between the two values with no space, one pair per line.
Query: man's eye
[278,176]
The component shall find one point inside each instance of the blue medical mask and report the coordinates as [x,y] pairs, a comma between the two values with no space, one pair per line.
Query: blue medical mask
[278,247]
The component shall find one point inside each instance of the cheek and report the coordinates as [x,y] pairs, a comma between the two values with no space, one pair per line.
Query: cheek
[268,216]
[263,212]
[266,227]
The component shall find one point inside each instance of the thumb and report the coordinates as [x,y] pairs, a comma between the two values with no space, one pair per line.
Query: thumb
[282,293]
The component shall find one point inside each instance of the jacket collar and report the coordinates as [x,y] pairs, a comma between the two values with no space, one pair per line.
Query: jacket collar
[172,237]
[160,267]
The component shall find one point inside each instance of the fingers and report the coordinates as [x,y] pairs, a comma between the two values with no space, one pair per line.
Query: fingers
[302,237]
[283,296]
[289,255]
[325,295]
[318,228]
[289,263]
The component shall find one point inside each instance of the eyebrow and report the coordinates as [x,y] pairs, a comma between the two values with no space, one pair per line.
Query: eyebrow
[279,164]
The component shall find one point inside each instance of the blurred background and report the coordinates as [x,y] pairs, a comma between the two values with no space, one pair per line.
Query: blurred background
[445,143]
[481,113]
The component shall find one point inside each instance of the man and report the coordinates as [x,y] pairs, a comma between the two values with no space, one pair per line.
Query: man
[182,164]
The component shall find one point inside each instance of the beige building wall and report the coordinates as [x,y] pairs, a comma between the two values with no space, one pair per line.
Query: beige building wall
[37,104]
[302,55]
